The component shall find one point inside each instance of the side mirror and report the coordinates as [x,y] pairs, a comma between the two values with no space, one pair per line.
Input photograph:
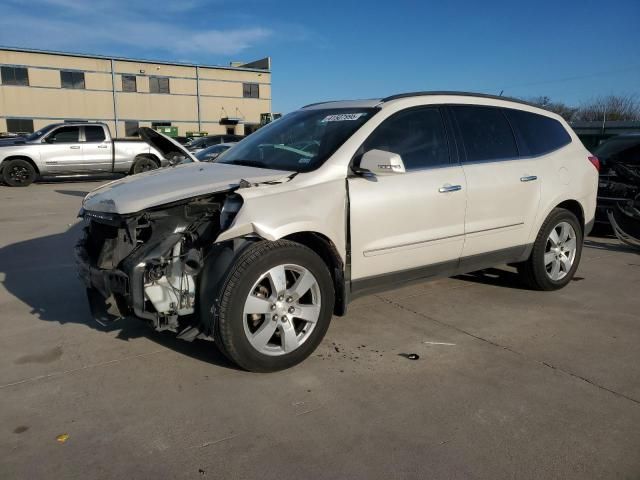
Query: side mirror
[49,139]
[381,162]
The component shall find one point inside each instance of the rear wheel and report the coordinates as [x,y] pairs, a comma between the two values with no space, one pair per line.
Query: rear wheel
[275,306]
[143,164]
[556,252]
[18,173]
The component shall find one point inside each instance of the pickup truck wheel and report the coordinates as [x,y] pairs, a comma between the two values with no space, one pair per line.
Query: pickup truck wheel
[18,173]
[275,306]
[556,252]
[143,164]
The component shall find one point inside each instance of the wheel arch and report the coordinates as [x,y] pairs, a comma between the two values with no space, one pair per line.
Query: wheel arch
[574,207]
[327,251]
[20,157]
[150,156]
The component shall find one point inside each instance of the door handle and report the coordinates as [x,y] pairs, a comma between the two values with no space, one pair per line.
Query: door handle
[450,188]
[528,178]
[74,147]
[103,146]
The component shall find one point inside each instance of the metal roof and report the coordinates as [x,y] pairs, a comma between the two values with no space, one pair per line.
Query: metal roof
[135,60]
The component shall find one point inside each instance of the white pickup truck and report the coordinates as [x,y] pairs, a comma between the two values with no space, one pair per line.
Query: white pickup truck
[83,148]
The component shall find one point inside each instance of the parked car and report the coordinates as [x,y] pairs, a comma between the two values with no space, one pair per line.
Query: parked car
[201,143]
[183,140]
[618,207]
[214,151]
[83,148]
[259,249]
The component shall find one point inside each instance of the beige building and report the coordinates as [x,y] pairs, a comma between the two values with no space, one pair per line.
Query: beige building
[40,87]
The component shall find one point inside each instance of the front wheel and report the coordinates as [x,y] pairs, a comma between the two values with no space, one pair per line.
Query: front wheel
[18,173]
[556,252]
[275,306]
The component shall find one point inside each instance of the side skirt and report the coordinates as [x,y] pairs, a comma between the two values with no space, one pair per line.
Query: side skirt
[388,281]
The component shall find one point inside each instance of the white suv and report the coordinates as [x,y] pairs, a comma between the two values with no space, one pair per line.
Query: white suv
[260,248]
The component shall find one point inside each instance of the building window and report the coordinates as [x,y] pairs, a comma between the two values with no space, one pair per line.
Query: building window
[131,128]
[19,125]
[129,83]
[250,90]
[160,124]
[15,76]
[159,85]
[72,79]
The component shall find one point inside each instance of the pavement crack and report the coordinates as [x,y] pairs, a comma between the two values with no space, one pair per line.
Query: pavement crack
[74,370]
[509,349]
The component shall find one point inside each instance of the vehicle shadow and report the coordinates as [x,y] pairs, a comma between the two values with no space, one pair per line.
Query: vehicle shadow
[598,244]
[494,276]
[41,273]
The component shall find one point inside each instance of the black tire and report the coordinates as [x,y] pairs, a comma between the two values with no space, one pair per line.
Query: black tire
[143,164]
[533,271]
[243,274]
[18,173]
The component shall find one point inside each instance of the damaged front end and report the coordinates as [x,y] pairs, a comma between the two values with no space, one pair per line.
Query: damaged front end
[619,199]
[149,264]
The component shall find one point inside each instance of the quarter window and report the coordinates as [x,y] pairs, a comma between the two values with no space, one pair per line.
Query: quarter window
[94,134]
[14,76]
[159,85]
[129,83]
[72,79]
[64,135]
[19,125]
[537,134]
[486,133]
[417,135]
[250,90]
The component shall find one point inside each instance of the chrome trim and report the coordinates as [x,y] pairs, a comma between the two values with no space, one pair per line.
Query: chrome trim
[495,228]
[450,188]
[380,251]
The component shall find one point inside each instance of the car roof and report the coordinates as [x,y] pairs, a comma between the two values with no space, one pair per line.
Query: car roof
[377,102]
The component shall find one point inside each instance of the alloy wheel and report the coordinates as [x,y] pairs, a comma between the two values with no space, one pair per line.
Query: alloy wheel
[282,309]
[560,251]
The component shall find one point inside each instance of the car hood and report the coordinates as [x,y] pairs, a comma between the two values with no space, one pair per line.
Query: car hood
[158,187]
[167,146]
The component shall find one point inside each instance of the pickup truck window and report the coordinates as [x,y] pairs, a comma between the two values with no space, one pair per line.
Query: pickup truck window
[65,135]
[94,134]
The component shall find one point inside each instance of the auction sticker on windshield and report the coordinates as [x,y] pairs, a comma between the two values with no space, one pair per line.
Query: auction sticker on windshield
[342,117]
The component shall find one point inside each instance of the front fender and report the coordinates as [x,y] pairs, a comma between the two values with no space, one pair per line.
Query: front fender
[277,211]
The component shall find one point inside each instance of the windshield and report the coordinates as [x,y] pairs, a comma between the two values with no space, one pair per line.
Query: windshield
[40,133]
[300,141]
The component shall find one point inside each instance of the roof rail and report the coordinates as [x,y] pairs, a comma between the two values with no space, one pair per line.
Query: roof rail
[320,103]
[461,94]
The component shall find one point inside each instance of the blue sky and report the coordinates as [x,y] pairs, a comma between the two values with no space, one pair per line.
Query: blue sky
[568,50]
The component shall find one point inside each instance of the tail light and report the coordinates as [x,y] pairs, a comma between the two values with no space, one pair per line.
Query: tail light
[595,161]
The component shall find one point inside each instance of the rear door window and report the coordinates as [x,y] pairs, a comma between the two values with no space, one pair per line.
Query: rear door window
[94,134]
[417,135]
[537,134]
[486,133]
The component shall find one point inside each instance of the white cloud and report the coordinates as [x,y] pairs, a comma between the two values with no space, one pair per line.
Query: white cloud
[74,26]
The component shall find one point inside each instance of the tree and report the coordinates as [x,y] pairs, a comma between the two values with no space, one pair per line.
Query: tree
[565,111]
[610,108]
